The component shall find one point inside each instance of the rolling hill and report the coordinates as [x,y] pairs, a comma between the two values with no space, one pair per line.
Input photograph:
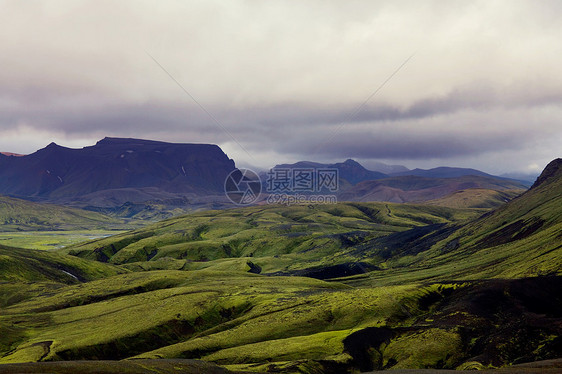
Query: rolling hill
[452,172]
[275,238]
[519,239]
[23,215]
[286,324]
[28,265]
[476,198]
[421,189]
[317,239]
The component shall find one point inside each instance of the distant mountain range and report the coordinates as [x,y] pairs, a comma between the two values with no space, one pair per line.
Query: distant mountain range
[115,171]
[351,171]
[527,177]
[360,184]
[154,176]
[451,172]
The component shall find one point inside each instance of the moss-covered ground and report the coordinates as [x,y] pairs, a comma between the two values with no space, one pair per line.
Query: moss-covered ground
[304,289]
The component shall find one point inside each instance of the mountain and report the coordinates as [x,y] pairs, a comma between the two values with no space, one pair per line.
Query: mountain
[551,175]
[360,184]
[350,171]
[419,189]
[147,179]
[116,170]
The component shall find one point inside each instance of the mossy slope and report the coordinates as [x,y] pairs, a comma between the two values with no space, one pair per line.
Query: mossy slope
[23,215]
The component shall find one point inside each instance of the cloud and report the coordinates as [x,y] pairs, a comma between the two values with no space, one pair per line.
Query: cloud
[281,77]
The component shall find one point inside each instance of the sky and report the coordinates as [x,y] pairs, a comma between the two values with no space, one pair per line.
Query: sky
[418,83]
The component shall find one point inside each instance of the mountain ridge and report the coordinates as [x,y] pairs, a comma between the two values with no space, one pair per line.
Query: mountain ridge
[115,172]
[349,170]
[550,172]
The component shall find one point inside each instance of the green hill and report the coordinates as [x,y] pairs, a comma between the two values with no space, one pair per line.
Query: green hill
[520,238]
[418,189]
[286,324]
[23,215]
[271,238]
[28,265]
[476,198]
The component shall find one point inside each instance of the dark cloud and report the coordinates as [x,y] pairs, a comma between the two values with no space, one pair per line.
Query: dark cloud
[285,79]
[404,145]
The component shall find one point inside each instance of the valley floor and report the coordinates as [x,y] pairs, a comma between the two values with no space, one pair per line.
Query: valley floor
[52,239]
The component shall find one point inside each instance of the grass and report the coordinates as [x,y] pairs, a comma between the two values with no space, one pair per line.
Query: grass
[201,310]
[22,215]
[281,235]
[117,367]
[26,265]
[476,198]
[320,346]
[431,348]
[449,288]
[243,321]
[146,304]
[45,240]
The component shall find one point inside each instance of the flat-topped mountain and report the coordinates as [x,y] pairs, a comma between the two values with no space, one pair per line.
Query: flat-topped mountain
[122,166]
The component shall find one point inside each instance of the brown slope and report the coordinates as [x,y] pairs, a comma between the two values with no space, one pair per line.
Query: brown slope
[420,189]
[476,198]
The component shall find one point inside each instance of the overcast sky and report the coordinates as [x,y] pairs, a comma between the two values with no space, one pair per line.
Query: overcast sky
[420,83]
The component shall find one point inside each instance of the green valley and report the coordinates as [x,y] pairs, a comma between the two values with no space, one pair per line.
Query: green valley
[22,215]
[344,288]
